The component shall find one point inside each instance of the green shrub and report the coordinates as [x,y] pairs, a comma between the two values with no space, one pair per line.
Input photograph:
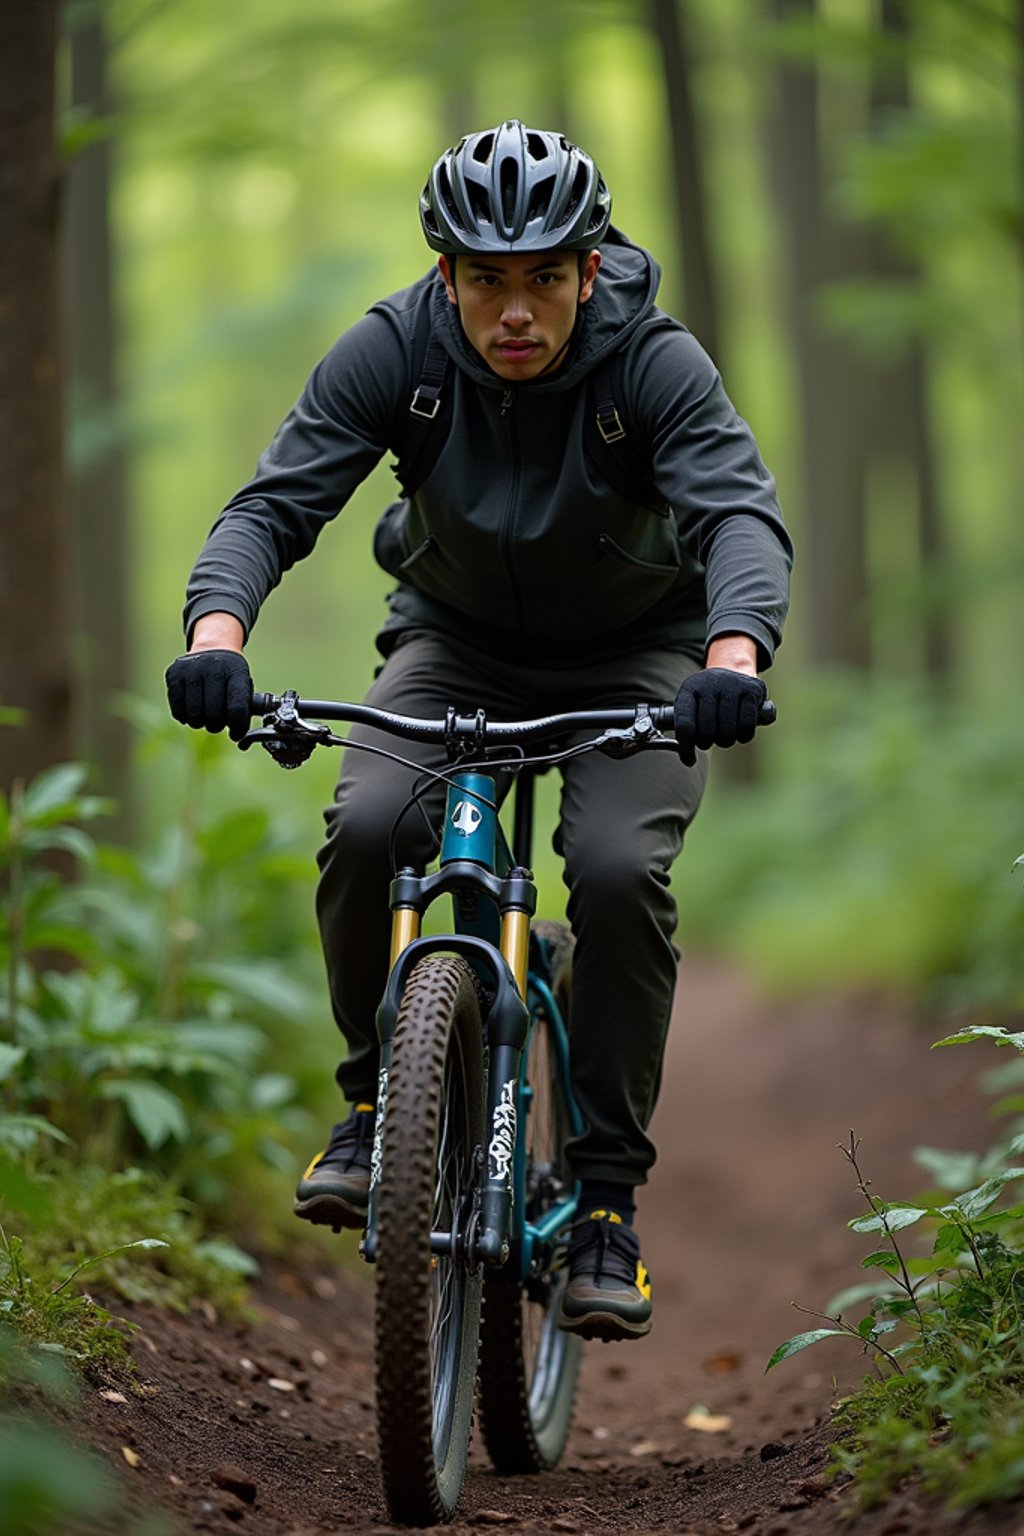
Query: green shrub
[946,1329]
[870,854]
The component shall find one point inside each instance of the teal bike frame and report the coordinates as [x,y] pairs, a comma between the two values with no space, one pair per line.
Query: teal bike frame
[494,897]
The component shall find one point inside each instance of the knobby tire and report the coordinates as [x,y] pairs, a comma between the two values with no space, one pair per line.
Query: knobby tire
[427,1321]
[527,1366]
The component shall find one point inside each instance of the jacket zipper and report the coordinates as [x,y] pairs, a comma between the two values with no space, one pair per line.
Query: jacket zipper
[508,401]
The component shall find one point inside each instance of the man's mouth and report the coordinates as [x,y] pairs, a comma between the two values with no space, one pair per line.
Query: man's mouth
[517,346]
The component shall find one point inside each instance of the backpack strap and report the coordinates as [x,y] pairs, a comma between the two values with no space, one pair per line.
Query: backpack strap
[610,440]
[613,443]
[423,430]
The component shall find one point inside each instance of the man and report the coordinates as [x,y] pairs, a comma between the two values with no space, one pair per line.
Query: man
[534,575]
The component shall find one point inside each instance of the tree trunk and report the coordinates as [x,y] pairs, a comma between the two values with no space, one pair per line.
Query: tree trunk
[700,303]
[35,631]
[98,505]
[901,425]
[832,394]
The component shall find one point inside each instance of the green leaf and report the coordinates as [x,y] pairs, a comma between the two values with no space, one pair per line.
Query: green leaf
[17,1131]
[949,1239]
[879,1291]
[881,1260]
[11,1056]
[802,1341]
[975,1201]
[973,1032]
[157,1114]
[867,1326]
[109,1253]
[53,789]
[228,1256]
[950,1170]
[893,1218]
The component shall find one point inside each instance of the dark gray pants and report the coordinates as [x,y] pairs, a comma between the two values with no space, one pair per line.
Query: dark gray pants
[621,826]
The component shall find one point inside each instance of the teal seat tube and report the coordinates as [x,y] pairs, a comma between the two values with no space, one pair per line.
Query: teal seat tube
[470,820]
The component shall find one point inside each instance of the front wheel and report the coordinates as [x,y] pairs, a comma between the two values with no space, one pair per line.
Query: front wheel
[427,1318]
[528,1366]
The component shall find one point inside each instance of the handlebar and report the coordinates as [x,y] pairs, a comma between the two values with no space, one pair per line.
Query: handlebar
[626,729]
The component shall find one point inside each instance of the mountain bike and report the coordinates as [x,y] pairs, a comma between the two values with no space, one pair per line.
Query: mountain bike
[471,1195]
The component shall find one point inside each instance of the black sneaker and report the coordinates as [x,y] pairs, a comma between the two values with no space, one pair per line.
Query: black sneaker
[608,1294]
[334,1191]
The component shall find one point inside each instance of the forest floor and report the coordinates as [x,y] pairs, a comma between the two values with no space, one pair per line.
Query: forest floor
[267,1426]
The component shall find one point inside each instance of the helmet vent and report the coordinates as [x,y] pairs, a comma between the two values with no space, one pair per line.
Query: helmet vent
[540,198]
[482,148]
[509,181]
[536,147]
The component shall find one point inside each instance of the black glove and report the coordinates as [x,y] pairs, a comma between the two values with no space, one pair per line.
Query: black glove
[716,708]
[211,689]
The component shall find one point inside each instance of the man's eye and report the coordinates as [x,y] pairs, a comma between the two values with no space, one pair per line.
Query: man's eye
[546,279]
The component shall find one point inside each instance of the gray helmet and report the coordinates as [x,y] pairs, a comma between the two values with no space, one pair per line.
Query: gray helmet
[514,188]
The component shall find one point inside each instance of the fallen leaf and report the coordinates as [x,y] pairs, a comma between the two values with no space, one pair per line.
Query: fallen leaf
[325,1289]
[112,1396]
[708,1423]
[131,1457]
[600,1433]
[247,1366]
[280,1384]
[644,1448]
[318,1358]
[722,1364]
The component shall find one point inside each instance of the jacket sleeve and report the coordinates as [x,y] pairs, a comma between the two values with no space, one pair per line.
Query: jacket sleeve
[329,442]
[708,467]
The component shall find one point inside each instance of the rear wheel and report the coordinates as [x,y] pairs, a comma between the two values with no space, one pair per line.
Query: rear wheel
[428,1304]
[527,1365]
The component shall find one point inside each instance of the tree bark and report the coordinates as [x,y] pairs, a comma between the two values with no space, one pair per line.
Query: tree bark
[832,392]
[700,301]
[901,424]
[35,633]
[98,503]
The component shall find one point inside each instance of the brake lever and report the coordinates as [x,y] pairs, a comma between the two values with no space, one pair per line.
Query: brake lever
[288,738]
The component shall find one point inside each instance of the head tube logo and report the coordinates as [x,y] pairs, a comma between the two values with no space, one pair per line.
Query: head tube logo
[466,818]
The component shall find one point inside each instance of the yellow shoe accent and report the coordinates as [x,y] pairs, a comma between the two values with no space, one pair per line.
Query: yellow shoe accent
[313,1164]
[643,1281]
[611,1216]
[365,1109]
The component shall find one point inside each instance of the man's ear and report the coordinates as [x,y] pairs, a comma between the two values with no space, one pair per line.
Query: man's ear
[446,270]
[588,274]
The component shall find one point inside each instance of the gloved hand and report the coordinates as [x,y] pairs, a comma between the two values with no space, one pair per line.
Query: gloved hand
[211,689]
[716,708]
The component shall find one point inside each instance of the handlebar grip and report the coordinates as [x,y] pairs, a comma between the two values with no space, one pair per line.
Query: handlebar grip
[262,703]
[664,715]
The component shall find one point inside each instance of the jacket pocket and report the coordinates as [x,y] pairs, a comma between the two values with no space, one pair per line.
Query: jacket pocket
[422,549]
[607,544]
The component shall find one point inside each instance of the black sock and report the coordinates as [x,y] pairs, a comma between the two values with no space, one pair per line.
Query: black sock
[603,1195]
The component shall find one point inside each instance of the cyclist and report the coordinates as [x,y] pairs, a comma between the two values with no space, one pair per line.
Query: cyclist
[528,582]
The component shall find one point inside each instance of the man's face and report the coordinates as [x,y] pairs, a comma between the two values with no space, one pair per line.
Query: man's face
[519,311]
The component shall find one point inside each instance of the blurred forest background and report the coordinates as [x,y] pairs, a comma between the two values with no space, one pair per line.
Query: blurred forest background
[196,200]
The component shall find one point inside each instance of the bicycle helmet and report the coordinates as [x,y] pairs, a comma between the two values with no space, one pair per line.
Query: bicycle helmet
[514,188]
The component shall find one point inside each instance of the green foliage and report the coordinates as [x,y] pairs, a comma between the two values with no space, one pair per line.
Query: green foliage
[153,1037]
[874,851]
[946,1403]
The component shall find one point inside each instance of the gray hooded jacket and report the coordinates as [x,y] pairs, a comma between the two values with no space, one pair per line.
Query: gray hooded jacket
[515,542]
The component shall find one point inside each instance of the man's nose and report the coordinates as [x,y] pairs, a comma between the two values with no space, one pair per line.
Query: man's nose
[516,310]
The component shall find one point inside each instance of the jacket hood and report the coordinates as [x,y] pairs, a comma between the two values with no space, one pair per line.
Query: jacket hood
[624,294]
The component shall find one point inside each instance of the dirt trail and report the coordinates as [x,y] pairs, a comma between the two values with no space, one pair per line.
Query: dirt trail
[745,1214]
